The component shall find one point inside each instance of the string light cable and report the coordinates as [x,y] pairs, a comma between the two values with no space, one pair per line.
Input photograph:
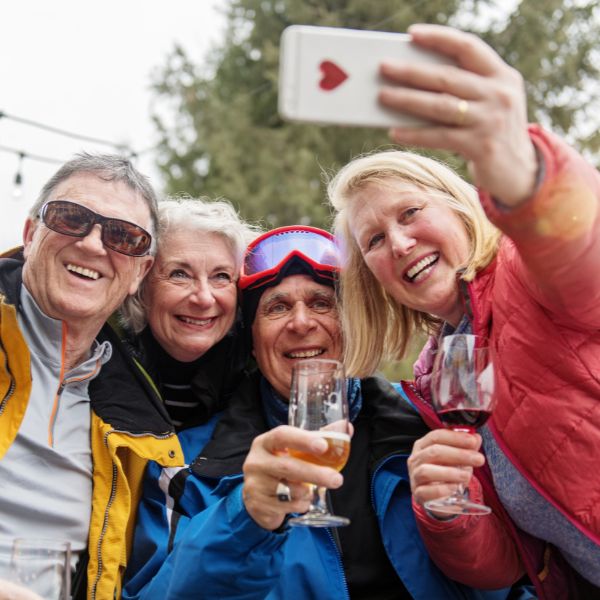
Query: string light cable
[65,133]
[22,155]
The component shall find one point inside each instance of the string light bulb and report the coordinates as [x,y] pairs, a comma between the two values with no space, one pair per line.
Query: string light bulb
[18,183]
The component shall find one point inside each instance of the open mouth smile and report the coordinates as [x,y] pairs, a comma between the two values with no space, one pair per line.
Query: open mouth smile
[198,322]
[422,268]
[83,272]
[305,353]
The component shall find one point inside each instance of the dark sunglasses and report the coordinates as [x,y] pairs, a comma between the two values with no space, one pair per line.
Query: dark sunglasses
[73,219]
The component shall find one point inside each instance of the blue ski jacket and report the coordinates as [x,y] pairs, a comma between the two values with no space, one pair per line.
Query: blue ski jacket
[195,539]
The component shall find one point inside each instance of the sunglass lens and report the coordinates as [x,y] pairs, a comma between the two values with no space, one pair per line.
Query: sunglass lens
[68,218]
[125,237]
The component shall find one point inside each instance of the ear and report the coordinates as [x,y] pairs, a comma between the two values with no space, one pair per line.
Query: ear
[144,264]
[29,229]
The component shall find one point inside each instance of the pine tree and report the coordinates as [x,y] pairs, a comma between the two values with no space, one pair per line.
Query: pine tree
[229,141]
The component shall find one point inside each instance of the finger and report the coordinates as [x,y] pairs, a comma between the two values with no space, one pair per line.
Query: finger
[448,437]
[267,468]
[444,109]
[446,456]
[441,138]
[300,491]
[434,78]
[434,492]
[433,474]
[466,49]
[269,514]
[283,437]
[268,510]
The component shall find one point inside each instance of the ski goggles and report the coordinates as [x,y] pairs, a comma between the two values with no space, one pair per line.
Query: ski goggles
[267,254]
[73,219]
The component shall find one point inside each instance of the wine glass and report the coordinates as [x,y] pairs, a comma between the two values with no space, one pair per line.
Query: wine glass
[318,403]
[462,387]
[43,566]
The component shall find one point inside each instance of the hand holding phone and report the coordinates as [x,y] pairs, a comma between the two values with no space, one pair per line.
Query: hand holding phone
[330,75]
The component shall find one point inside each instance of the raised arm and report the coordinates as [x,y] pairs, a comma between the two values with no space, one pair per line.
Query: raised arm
[536,189]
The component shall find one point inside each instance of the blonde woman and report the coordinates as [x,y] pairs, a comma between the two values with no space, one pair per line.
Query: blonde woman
[422,253]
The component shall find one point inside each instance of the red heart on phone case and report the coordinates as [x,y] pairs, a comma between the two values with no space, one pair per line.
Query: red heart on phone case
[333,76]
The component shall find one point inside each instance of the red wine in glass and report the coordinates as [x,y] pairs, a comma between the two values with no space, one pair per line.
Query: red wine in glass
[464,419]
[462,388]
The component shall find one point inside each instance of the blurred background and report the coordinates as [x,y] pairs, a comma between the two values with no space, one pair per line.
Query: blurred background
[189,89]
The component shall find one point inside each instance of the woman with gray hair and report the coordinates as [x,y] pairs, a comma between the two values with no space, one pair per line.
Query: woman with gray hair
[185,332]
[182,320]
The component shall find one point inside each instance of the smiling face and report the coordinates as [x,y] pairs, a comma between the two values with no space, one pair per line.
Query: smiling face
[191,293]
[413,243]
[296,319]
[79,280]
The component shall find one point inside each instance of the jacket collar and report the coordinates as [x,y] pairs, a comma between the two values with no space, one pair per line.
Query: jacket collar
[11,277]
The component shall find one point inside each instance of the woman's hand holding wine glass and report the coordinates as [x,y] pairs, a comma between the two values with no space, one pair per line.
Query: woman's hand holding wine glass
[440,461]
[462,387]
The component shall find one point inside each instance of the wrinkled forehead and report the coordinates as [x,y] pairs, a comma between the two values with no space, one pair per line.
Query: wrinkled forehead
[296,288]
[108,198]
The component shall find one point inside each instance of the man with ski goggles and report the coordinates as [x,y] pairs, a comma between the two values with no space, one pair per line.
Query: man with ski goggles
[228,512]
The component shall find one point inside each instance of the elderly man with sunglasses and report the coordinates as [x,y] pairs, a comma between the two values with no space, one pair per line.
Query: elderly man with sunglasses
[78,420]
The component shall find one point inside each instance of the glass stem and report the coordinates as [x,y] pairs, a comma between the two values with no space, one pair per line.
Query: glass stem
[461,492]
[318,503]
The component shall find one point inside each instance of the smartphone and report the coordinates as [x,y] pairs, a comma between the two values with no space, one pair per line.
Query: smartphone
[330,75]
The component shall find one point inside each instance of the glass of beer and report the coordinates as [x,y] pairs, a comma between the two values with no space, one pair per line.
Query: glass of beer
[43,566]
[318,403]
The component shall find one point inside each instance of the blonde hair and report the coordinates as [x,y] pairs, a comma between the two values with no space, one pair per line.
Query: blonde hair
[201,216]
[375,326]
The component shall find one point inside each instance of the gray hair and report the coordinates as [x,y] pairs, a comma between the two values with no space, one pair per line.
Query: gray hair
[201,215]
[108,167]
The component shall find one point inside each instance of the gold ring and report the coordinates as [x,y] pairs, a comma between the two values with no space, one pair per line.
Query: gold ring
[462,108]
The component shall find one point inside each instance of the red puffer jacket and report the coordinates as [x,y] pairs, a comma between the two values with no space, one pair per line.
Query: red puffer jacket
[539,303]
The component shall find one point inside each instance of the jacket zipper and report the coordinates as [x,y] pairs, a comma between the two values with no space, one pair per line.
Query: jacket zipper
[337,553]
[11,387]
[113,493]
[9,393]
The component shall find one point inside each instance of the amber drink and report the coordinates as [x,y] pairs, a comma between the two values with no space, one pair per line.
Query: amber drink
[336,455]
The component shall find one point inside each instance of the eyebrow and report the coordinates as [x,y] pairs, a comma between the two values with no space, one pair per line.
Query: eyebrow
[267,299]
[310,293]
[186,265]
[176,263]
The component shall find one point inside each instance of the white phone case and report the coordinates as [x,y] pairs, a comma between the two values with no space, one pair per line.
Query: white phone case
[330,75]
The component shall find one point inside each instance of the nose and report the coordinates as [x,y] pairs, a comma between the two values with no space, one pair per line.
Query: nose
[92,242]
[201,293]
[401,241]
[302,320]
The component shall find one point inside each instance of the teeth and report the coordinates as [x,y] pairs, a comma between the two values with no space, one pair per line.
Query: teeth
[191,321]
[305,353]
[422,264]
[82,271]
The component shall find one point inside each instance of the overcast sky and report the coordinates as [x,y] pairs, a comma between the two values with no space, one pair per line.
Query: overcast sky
[85,67]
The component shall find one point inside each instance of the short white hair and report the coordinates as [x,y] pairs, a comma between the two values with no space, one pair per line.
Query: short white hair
[199,215]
